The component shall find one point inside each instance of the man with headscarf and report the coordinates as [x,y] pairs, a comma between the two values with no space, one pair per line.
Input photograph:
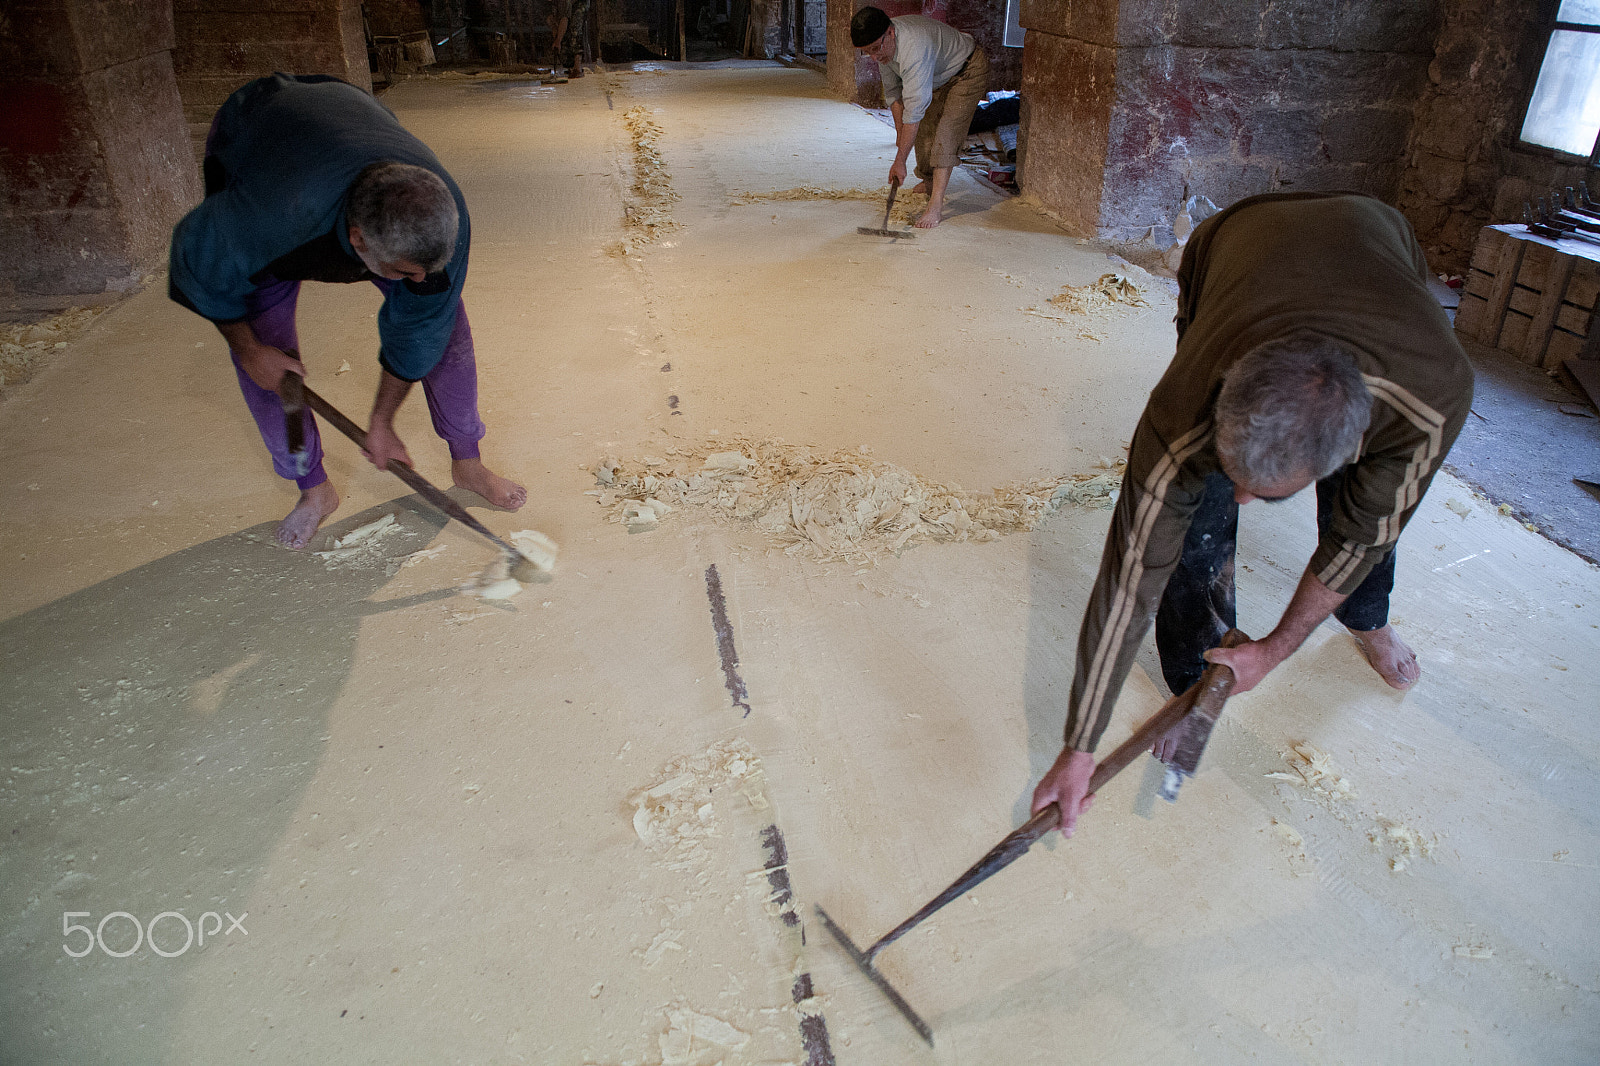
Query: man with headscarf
[933,78]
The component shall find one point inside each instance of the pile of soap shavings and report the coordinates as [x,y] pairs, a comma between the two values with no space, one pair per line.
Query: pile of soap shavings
[1314,770]
[649,210]
[675,815]
[904,212]
[693,1038]
[840,505]
[1112,293]
[24,347]
[362,547]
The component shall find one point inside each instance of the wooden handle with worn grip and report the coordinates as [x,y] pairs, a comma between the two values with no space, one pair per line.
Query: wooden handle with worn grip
[1207,694]
[422,485]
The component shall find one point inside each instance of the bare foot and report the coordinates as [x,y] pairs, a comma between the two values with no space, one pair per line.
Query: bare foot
[1395,662]
[920,188]
[502,492]
[316,503]
[929,218]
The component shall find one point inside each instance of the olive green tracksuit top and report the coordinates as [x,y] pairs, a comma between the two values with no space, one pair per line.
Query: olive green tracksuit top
[1340,264]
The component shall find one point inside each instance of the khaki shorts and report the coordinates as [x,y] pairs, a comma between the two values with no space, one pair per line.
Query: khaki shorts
[949,115]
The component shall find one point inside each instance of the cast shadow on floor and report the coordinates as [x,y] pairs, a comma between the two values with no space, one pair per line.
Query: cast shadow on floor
[160,728]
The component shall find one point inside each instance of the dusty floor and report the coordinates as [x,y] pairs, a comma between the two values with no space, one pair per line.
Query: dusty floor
[557,832]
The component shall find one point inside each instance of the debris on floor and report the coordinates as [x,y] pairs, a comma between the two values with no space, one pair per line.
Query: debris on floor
[648,211]
[422,555]
[362,546]
[1314,769]
[1101,296]
[24,346]
[691,1034]
[833,505]
[904,212]
[1400,843]
[675,816]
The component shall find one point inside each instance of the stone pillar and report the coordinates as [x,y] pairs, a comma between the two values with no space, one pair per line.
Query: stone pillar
[1127,102]
[850,75]
[94,166]
[222,44]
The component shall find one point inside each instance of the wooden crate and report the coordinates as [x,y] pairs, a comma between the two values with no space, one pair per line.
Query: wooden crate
[1532,297]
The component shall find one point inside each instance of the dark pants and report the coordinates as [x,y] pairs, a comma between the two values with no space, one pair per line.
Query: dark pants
[1197,607]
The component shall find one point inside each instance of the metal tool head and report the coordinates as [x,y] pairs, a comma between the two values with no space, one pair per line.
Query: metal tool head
[525,569]
[292,394]
[864,964]
[1195,728]
[878,231]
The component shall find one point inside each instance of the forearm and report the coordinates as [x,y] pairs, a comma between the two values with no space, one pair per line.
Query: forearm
[262,363]
[905,133]
[1311,603]
[240,336]
[392,392]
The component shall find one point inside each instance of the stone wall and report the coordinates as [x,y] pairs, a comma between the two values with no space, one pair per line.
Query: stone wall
[1127,102]
[94,166]
[221,44]
[1463,170]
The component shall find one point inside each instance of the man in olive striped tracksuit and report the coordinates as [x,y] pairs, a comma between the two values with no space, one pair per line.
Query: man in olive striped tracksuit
[1309,351]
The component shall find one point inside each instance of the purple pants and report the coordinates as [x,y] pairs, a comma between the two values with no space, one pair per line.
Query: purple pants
[451,387]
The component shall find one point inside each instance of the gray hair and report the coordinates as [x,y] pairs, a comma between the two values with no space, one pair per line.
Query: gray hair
[1291,408]
[405,213]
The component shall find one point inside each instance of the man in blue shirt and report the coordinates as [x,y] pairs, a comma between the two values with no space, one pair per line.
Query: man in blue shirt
[933,77]
[310,178]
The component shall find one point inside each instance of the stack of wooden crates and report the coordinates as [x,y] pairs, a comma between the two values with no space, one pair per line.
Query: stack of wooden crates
[1532,297]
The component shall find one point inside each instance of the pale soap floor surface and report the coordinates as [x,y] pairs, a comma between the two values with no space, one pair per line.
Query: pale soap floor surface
[542,832]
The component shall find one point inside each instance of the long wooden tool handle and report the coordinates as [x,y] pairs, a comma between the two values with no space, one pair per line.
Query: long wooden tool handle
[291,392]
[400,470]
[894,187]
[1207,694]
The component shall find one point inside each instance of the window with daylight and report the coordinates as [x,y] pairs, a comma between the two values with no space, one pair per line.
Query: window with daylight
[1564,112]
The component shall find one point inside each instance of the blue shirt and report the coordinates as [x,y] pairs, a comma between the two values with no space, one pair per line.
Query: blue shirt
[283,155]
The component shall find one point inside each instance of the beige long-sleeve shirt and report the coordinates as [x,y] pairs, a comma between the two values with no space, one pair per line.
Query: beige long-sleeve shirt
[1340,264]
[927,53]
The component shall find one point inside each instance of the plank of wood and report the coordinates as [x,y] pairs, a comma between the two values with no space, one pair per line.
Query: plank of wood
[1486,250]
[1563,346]
[1469,315]
[1535,348]
[1505,279]
[1513,333]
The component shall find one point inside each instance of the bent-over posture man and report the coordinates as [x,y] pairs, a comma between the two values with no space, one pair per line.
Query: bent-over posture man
[1309,351]
[310,178]
[933,78]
